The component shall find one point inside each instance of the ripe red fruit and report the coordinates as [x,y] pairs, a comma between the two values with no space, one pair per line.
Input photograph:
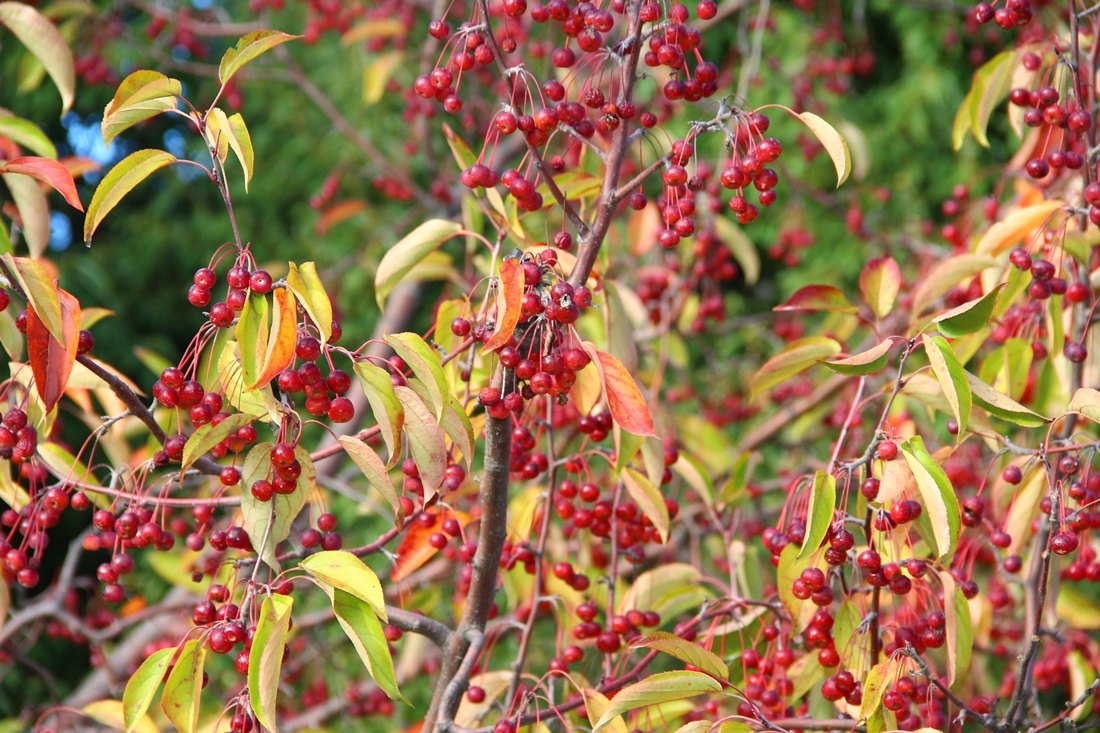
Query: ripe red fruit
[887,450]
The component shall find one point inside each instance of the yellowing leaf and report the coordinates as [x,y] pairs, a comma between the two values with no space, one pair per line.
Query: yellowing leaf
[1002,406]
[142,95]
[867,362]
[387,27]
[365,633]
[347,572]
[412,248]
[256,515]
[819,515]
[658,688]
[686,651]
[957,629]
[794,359]
[459,149]
[1019,225]
[232,132]
[306,285]
[377,75]
[120,180]
[596,704]
[946,275]
[648,498]
[743,249]
[991,85]
[34,211]
[110,713]
[1087,402]
[952,378]
[247,49]
[970,316]
[387,409]
[281,340]
[937,496]
[375,470]
[426,365]
[830,139]
[880,282]
[877,682]
[45,42]
[265,660]
[426,442]
[207,436]
[142,686]
[180,701]
[26,134]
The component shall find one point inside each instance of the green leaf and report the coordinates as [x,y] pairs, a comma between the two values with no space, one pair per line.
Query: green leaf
[142,687]
[256,515]
[937,495]
[65,465]
[375,470]
[957,629]
[180,701]
[252,336]
[426,443]
[686,651]
[142,95]
[797,357]
[696,476]
[818,298]
[209,435]
[790,568]
[867,362]
[741,247]
[120,180]
[658,688]
[846,629]
[26,134]
[946,275]
[456,423]
[303,282]
[968,317]
[648,498]
[952,378]
[459,149]
[40,289]
[962,124]
[426,365]
[999,405]
[248,48]
[413,247]
[387,409]
[265,659]
[346,572]
[364,631]
[819,515]
[45,43]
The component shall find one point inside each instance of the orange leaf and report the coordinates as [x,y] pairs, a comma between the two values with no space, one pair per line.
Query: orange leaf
[509,300]
[338,212]
[52,361]
[624,399]
[79,166]
[415,550]
[280,347]
[49,172]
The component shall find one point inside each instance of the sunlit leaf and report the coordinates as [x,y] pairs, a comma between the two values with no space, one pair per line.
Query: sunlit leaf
[378,74]
[306,285]
[946,275]
[347,572]
[1000,405]
[459,149]
[279,512]
[142,95]
[624,399]
[34,211]
[26,134]
[142,687]
[415,550]
[952,378]
[207,436]
[265,660]
[1020,225]
[387,409]
[957,630]
[281,339]
[45,42]
[252,336]
[937,496]
[426,442]
[875,685]
[686,651]
[991,85]
[970,316]
[111,713]
[412,248]
[180,701]
[247,49]
[375,470]
[120,180]
[426,365]
[233,132]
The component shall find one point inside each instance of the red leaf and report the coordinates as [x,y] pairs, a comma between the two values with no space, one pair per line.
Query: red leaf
[624,399]
[52,361]
[818,298]
[509,301]
[415,550]
[49,172]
